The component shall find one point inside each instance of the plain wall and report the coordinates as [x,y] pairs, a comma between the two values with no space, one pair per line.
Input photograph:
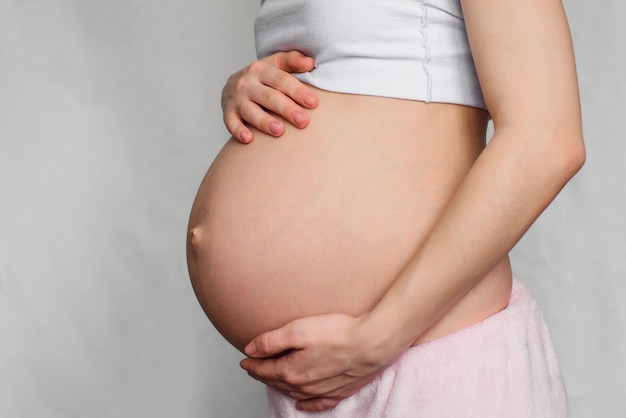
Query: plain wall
[109,117]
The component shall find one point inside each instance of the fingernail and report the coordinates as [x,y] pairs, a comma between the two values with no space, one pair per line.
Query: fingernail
[275,128]
[309,100]
[299,118]
[246,136]
[250,349]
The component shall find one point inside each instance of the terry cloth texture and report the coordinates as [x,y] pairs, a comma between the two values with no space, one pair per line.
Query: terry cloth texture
[504,366]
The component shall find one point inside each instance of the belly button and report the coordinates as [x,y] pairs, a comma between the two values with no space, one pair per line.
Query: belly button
[195,238]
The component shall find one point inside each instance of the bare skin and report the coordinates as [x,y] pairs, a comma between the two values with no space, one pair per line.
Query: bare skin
[268,84]
[471,207]
[325,218]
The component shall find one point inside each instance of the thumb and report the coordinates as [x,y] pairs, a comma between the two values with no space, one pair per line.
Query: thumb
[273,343]
[293,62]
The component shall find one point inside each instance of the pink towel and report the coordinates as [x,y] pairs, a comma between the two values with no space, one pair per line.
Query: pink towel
[504,366]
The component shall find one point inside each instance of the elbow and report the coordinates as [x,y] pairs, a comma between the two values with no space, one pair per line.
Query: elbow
[569,157]
[574,156]
[554,154]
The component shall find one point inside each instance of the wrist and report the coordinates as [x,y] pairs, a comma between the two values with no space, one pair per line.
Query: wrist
[380,339]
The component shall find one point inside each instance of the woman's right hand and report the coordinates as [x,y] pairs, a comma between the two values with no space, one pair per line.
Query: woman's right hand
[267,86]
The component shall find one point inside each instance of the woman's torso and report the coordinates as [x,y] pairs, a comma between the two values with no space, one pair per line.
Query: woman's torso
[323,219]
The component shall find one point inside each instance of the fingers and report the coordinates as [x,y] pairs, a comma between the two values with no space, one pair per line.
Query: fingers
[284,375]
[297,387]
[265,89]
[238,115]
[316,404]
[276,342]
[274,100]
[253,99]
[329,399]
[293,62]
[266,371]
[256,116]
[296,62]
[284,82]
[236,127]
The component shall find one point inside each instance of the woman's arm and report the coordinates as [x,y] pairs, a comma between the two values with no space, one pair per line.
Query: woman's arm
[526,67]
[266,86]
[525,63]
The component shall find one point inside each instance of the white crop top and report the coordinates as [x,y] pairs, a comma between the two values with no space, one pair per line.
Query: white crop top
[409,49]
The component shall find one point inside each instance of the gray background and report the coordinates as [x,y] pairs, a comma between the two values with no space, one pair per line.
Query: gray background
[109,116]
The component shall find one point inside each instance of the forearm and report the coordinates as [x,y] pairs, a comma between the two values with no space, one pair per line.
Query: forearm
[511,183]
[529,83]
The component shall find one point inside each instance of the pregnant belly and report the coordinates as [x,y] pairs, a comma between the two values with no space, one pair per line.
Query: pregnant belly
[323,219]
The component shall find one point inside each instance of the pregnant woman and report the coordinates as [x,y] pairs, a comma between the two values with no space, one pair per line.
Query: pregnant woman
[361,262]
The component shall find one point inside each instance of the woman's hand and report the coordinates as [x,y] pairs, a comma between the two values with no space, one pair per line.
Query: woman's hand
[317,360]
[267,85]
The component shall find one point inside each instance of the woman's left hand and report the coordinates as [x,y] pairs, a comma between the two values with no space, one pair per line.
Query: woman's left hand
[317,360]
